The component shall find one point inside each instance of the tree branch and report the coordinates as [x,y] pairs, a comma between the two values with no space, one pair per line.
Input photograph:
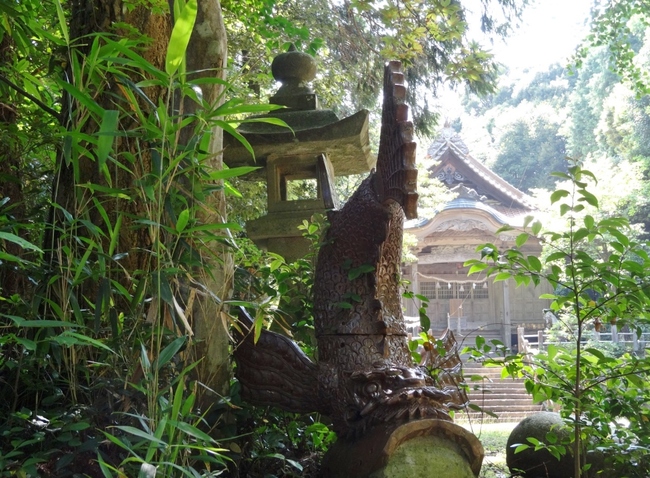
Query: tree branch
[38,102]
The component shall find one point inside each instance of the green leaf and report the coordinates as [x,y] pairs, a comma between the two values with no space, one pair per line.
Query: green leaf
[183,219]
[425,322]
[534,264]
[7,236]
[521,239]
[588,197]
[502,276]
[580,234]
[533,440]
[63,24]
[169,351]
[559,194]
[521,448]
[595,352]
[477,267]
[180,37]
[358,271]
[140,434]
[556,256]
[232,172]
[622,238]
[564,208]
[26,343]
[82,97]
[106,135]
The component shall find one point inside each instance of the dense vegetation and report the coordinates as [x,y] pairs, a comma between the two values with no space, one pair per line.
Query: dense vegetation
[527,129]
[118,263]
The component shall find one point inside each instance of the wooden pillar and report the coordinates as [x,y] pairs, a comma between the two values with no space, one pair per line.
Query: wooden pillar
[507,329]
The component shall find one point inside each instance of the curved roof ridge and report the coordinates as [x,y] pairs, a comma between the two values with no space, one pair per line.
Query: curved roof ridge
[448,139]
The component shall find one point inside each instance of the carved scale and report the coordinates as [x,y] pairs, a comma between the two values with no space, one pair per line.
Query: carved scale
[364,375]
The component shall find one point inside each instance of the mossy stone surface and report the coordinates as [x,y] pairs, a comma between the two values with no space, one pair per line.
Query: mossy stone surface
[539,464]
[426,456]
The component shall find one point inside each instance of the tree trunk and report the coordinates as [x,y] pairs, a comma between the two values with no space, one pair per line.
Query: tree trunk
[207,53]
[136,244]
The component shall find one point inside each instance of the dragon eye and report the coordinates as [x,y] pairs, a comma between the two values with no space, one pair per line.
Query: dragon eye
[372,388]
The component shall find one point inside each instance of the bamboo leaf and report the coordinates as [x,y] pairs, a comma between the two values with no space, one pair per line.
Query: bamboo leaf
[7,236]
[141,434]
[180,37]
[20,322]
[147,470]
[183,219]
[169,351]
[63,24]
[84,339]
[215,226]
[83,98]
[228,128]
[192,431]
[106,135]
[232,172]
[115,236]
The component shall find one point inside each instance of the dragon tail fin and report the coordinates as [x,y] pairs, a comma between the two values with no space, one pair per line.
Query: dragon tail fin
[274,371]
[396,171]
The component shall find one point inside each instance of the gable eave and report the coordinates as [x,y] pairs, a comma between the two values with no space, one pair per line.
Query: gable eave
[458,156]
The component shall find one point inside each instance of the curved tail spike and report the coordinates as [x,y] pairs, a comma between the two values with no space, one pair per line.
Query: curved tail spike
[396,172]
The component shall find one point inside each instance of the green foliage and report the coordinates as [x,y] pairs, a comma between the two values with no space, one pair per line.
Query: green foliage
[354,39]
[599,274]
[529,153]
[611,27]
[69,336]
[280,291]
[172,443]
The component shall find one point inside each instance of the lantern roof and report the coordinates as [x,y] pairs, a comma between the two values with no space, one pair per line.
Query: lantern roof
[313,130]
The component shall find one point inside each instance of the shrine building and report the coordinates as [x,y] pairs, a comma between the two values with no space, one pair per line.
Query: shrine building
[471,305]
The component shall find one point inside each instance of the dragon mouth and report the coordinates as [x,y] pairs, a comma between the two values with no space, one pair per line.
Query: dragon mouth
[387,393]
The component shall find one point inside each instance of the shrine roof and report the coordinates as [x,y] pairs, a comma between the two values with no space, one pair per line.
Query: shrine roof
[454,164]
[505,216]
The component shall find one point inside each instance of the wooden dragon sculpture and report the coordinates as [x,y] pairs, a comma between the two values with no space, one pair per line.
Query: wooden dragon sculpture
[365,374]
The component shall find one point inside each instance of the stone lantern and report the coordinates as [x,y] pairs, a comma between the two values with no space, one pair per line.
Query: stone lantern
[299,164]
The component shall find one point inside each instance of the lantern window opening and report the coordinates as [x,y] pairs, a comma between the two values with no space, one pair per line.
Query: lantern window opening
[299,187]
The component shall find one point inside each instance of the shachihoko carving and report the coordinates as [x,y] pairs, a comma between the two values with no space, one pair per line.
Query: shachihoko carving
[364,375]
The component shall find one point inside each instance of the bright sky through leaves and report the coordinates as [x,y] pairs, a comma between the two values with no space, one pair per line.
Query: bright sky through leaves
[550,32]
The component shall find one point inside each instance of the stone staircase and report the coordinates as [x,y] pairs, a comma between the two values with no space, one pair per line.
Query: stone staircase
[505,397]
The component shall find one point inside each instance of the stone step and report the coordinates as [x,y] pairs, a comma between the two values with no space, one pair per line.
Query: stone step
[496,388]
[492,372]
[505,417]
[505,397]
[496,385]
[477,379]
